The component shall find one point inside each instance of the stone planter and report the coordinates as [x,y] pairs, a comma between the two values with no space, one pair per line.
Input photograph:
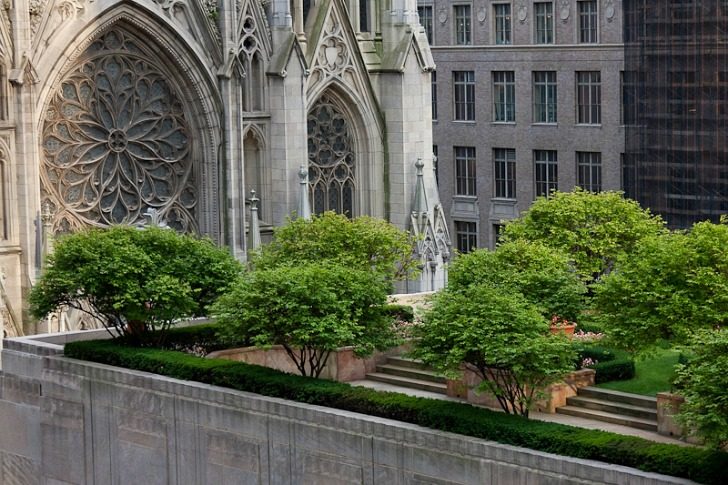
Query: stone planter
[567,330]
[343,364]
[555,394]
[668,405]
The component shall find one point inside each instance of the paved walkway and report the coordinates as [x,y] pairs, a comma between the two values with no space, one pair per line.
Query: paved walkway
[554,418]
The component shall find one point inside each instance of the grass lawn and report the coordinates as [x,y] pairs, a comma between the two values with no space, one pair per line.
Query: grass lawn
[652,375]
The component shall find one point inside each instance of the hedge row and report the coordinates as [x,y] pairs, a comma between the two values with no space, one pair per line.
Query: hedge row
[698,464]
[612,365]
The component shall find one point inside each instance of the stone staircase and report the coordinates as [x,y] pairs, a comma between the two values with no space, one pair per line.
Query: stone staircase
[613,407]
[410,373]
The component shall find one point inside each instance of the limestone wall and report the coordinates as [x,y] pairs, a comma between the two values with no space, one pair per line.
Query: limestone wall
[71,422]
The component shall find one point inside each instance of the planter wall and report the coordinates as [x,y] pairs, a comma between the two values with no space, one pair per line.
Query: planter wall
[65,421]
[556,394]
[668,405]
[343,365]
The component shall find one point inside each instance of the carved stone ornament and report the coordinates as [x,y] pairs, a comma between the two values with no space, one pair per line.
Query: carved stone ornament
[482,13]
[331,161]
[609,10]
[442,15]
[522,13]
[116,142]
[333,53]
[565,10]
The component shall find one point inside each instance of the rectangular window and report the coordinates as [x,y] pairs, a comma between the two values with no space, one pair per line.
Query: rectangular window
[544,15]
[589,171]
[544,97]
[462,25]
[465,171]
[502,16]
[434,95]
[504,96]
[498,232]
[629,175]
[589,97]
[546,171]
[425,13]
[505,172]
[466,234]
[464,85]
[588,25]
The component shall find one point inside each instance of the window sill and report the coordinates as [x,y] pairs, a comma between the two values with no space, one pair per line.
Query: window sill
[465,122]
[589,125]
[539,123]
[503,123]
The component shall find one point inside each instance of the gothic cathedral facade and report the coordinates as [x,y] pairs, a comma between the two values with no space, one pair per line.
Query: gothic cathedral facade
[111,108]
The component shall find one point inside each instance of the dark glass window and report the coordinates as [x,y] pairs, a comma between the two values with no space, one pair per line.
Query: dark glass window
[544,97]
[504,96]
[505,172]
[465,171]
[466,235]
[589,97]
[464,87]
[546,171]
[589,170]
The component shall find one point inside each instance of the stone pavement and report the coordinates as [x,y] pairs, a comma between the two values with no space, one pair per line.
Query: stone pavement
[554,418]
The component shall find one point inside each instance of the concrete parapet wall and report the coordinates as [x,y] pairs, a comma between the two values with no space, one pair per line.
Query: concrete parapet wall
[71,422]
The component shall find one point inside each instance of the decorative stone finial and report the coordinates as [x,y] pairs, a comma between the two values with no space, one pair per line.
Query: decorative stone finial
[304,206]
[254,232]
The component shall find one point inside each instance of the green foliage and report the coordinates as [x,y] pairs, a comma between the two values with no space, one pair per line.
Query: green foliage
[705,466]
[594,229]
[133,280]
[310,310]
[364,243]
[541,274]
[672,285]
[612,364]
[404,313]
[498,335]
[703,382]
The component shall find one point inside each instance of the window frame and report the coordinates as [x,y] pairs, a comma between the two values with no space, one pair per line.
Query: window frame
[589,171]
[466,231]
[463,96]
[544,31]
[588,97]
[592,27]
[504,173]
[545,89]
[502,36]
[504,109]
[426,20]
[550,182]
[463,23]
[465,158]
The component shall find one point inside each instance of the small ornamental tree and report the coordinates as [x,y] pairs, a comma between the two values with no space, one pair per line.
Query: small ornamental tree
[133,280]
[593,229]
[703,382]
[498,335]
[311,310]
[671,286]
[364,243]
[543,275]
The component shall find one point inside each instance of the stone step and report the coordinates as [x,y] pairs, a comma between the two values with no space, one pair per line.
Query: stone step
[612,407]
[646,424]
[411,372]
[408,382]
[407,362]
[617,396]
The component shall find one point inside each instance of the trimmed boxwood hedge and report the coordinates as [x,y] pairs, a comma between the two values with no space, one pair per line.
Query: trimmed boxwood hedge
[705,466]
[612,364]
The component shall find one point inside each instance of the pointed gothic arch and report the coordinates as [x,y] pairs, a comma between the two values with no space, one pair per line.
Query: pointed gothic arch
[257,169]
[336,160]
[130,124]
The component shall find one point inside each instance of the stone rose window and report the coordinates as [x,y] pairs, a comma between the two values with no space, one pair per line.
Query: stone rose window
[116,142]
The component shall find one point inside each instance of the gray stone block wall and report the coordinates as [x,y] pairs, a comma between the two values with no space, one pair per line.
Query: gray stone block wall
[83,423]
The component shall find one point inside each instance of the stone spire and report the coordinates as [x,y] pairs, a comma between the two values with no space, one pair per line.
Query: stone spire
[304,207]
[419,209]
[254,230]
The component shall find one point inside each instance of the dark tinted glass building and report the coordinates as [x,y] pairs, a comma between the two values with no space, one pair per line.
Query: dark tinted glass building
[675,107]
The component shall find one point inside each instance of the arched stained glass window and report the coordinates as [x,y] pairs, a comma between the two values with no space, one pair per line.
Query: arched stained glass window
[331,159]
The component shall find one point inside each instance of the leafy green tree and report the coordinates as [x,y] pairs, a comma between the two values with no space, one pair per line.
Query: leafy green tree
[703,382]
[671,286]
[498,335]
[364,243]
[133,280]
[543,275]
[593,229]
[310,309]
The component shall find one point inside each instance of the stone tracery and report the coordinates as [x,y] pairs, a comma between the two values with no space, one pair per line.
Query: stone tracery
[116,141]
[331,159]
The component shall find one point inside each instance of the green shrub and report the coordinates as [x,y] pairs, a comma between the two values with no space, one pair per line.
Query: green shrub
[612,364]
[404,313]
[705,466]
